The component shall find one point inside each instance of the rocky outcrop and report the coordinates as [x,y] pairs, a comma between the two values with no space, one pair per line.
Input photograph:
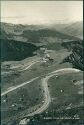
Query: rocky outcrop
[76,56]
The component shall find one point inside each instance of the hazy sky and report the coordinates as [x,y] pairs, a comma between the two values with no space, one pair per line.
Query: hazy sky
[41,12]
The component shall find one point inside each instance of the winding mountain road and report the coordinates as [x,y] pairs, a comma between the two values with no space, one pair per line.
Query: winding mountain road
[47,98]
[18,86]
[26,67]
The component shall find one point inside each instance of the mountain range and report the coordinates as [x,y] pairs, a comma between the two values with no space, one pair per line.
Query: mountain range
[21,41]
[73,29]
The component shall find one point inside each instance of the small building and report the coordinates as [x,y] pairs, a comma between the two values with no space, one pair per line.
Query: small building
[24,121]
[47,56]
[44,59]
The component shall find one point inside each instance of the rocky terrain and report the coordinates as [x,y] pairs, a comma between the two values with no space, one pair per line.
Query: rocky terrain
[76,57]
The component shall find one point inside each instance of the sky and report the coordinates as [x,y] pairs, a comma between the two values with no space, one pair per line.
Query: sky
[41,12]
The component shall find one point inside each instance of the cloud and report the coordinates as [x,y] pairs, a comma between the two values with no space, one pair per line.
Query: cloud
[41,12]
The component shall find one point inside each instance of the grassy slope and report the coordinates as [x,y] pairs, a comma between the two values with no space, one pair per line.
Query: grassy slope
[66,103]
[37,69]
[31,95]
